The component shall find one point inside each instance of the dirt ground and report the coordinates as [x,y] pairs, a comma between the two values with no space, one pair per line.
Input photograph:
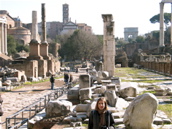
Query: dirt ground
[38,89]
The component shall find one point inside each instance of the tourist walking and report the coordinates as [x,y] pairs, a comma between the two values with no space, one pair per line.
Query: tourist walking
[52,80]
[101,117]
[66,78]
[70,81]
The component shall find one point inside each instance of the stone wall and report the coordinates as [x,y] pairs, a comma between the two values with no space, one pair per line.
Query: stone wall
[162,67]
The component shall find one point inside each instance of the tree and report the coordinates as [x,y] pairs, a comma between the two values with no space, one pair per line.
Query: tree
[11,45]
[120,43]
[156,19]
[21,47]
[140,39]
[80,45]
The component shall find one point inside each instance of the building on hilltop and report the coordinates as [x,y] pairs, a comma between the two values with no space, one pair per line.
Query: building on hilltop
[84,27]
[65,13]
[69,27]
[20,33]
[53,28]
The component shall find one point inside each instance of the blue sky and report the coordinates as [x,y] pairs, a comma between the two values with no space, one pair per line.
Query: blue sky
[126,13]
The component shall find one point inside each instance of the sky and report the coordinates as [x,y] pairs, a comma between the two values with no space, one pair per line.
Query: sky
[126,13]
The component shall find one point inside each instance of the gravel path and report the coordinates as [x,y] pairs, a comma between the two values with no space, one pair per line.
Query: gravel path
[17,99]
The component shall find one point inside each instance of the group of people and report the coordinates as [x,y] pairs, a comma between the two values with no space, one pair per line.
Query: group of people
[68,78]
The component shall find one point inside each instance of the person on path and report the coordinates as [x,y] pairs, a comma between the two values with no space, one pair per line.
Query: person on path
[66,78]
[101,117]
[70,81]
[52,80]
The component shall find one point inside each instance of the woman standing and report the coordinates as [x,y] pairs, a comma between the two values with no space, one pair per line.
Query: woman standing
[101,118]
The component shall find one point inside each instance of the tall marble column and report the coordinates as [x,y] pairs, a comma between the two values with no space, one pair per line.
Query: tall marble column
[34,26]
[44,43]
[34,43]
[171,27]
[2,44]
[44,38]
[0,37]
[161,38]
[108,44]
[5,40]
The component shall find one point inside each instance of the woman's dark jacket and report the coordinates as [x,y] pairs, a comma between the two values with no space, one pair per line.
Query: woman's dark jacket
[94,119]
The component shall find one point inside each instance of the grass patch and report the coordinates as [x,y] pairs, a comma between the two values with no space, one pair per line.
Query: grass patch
[167,108]
[144,81]
[151,91]
[128,72]
[85,125]
[43,80]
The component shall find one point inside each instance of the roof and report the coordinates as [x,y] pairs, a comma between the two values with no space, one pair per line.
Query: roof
[5,57]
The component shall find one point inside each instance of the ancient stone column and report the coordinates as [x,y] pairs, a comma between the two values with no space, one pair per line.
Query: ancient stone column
[161,40]
[5,40]
[108,44]
[35,26]
[2,44]
[34,43]
[44,39]
[171,27]
[44,43]
[0,37]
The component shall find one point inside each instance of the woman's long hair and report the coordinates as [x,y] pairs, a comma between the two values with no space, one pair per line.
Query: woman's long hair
[101,99]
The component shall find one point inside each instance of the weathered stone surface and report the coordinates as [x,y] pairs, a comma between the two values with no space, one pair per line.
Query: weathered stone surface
[116,80]
[37,118]
[158,121]
[84,81]
[121,104]
[58,108]
[118,114]
[82,107]
[85,93]
[73,93]
[111,97]
[100,90]
[111,87]
[128,92]
[139,114]
[69,119]
[102,75]
[91,107]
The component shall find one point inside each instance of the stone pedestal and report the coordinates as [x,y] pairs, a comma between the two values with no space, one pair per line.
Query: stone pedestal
[34,50]
[84,81]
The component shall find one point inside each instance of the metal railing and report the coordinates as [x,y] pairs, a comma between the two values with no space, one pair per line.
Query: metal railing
[22,116]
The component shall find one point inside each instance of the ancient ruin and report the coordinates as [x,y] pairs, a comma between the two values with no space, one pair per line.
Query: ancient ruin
[161,37]
[73,108]
[130,32]
[108,44]
[38,63]
[3,36]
